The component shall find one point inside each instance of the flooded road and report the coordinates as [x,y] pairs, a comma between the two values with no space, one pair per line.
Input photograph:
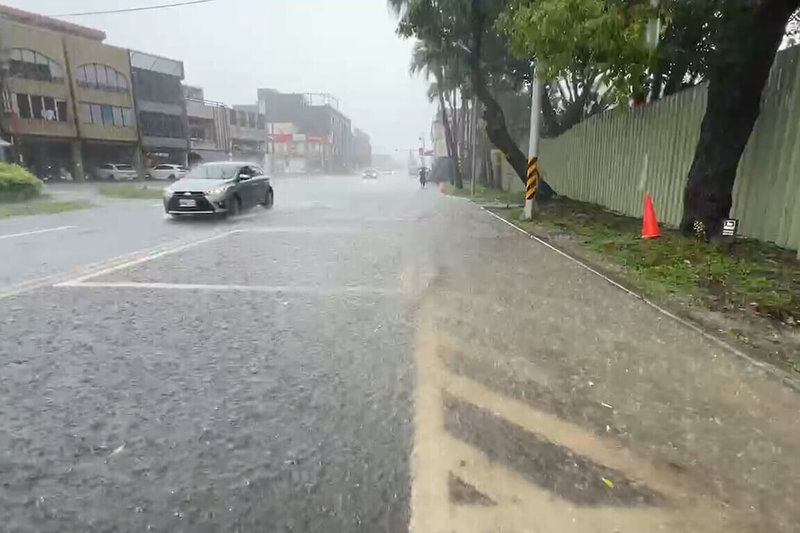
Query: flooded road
[368,356]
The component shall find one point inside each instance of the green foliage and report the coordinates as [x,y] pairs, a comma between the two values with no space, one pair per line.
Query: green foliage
[41,206]
[17,184]
[129,190]
[573,36]
[750,275]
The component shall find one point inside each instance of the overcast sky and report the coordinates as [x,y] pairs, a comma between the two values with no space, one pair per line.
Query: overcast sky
[231,47]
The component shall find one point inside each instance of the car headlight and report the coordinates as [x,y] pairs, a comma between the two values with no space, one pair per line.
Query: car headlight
[168,192]
[216,192]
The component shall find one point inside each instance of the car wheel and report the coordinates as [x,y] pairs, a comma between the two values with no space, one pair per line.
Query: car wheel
[269,200]
[111,177]
[172,178]
[235,207]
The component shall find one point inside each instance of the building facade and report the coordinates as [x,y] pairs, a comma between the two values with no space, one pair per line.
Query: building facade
[248,132]
[320,131]
[39,113]
[160,109]
[209,130]
[100,81]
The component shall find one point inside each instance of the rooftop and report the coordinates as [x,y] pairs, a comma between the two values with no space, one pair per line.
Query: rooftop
[49,23]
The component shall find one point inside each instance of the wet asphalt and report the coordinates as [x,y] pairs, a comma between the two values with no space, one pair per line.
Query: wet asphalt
[367,356]
[137,409]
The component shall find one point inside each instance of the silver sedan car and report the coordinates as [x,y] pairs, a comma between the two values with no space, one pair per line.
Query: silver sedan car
[219,188]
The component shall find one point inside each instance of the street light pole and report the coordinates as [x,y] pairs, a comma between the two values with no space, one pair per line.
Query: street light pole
[532,174]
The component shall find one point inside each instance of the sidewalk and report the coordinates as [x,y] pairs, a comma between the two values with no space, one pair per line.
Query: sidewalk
[708,431]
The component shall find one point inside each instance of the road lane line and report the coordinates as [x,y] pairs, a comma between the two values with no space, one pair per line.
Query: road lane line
[145,259]
[271,289]
[35,232]
[48,280]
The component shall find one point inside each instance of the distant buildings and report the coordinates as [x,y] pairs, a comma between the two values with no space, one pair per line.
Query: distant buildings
[309,133]
[69,103]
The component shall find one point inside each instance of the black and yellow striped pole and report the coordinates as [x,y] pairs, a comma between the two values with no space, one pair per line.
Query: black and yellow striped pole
[532,178]
[532,174]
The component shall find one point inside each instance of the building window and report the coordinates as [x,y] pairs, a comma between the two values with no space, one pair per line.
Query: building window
[232,114]
[97,76]
[33,106]
[262,122]
[157,87]
[161,125]
[31,65]
[128,117]
[105,115]
[251,120]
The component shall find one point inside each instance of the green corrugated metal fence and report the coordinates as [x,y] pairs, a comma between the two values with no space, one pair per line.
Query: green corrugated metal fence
[615,158]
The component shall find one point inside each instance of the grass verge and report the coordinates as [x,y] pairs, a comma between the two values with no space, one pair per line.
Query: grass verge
[748,292]
[42,205]
[131,190]
[485,195]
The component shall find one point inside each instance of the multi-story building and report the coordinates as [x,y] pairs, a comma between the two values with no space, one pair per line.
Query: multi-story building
[39,113]
[160,108]
[209,129]
[100,81]
[323,131]
[248,134]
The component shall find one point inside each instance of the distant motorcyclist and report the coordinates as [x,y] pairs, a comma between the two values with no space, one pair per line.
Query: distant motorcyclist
[423,176]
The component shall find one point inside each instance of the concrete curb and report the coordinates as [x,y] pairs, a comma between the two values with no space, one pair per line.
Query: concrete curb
[785,378]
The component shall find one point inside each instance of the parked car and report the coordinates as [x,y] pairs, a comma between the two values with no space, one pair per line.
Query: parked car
[115,172]
[166,172]
[219,188]
[370,174]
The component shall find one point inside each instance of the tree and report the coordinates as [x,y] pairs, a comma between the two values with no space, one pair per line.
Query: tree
[729,43]
[737,73]
[431,60]
[465,29]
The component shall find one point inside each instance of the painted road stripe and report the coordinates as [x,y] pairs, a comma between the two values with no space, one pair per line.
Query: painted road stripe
[271,289]
[145,259]
[438,454]
[35,232]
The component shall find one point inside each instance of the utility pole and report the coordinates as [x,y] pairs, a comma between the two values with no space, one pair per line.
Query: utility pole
[532,174]
[474,139]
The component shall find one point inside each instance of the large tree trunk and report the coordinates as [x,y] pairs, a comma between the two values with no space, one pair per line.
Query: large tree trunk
[747,44]
[448,135]
[496,128]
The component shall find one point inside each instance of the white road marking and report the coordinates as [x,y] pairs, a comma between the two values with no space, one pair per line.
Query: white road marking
[271,289]
[145,259]
[300,229]
[35,232]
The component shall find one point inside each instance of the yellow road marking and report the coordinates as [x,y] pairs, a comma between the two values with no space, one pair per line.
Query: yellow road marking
[521,505]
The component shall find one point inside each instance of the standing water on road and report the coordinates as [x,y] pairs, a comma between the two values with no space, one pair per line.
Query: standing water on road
[229,301]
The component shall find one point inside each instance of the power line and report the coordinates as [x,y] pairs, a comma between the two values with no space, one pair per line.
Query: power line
[129,9]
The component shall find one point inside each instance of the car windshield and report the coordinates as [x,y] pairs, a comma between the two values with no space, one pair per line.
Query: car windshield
[213,172]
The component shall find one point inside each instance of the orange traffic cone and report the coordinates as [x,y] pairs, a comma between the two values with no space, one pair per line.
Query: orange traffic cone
[650,222]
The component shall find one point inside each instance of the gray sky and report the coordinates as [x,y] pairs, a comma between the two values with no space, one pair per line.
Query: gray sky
[231,47]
